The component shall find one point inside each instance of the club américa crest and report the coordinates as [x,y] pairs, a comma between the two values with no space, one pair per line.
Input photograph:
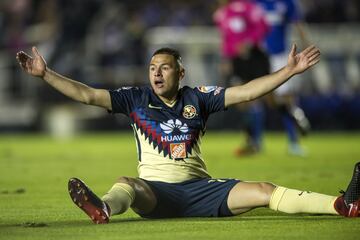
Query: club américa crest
[189,112]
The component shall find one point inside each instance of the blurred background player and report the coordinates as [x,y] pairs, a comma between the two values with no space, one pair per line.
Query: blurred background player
[242,27]
[279,15]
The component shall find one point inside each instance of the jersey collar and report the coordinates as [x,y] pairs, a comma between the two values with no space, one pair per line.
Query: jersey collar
[156,103]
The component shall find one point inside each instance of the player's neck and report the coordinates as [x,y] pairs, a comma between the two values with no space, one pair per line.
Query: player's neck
[169,101]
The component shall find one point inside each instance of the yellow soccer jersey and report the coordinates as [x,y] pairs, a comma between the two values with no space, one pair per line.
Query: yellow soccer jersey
[168,138]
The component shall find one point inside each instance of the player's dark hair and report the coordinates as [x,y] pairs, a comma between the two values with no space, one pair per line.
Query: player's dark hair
[170,51]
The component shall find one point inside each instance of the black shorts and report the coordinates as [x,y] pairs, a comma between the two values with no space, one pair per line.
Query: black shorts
[255,65]
[203,197]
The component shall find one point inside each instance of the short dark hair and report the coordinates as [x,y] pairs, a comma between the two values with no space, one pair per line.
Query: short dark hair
[170,51]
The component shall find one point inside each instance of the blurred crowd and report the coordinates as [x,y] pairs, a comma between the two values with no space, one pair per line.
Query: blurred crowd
[96,39]
[62,26]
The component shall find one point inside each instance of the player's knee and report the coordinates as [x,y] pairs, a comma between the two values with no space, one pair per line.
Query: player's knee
[266,189]
[127,180]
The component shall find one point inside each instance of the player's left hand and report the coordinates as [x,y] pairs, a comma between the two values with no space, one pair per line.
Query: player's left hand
[299,62]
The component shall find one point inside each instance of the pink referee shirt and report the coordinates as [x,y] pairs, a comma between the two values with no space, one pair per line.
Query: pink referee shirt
[240,21]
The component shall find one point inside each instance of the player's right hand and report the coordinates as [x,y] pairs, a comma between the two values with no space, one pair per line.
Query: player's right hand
[35,65]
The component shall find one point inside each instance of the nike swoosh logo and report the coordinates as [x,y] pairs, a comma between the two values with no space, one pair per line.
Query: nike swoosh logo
[154,107]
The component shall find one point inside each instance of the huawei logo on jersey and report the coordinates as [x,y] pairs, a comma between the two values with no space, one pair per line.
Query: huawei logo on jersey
[175,131]
[176,135]
[169,126]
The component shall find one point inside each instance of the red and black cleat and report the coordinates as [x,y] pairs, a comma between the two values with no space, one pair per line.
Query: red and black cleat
[348,204]
[87,201]
[349,210]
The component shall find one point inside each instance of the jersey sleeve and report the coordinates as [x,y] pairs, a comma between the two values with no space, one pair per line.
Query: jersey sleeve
[293,13]
[212,98]
[125,99]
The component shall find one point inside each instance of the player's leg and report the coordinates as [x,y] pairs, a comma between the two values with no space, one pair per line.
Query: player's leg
[256,64]
[242,74]
[252,119]
[285,107]
[288,105]
[130,192]
[124,193]
[293,116]
[249,195]
[245,196]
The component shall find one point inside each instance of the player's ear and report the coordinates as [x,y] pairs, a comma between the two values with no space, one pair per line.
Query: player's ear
[181,73]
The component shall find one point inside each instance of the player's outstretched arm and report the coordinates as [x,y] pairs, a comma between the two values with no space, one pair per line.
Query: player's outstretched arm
[36,66]
[297,63]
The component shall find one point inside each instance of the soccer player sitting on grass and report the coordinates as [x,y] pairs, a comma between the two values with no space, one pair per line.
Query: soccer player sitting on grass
[169,122]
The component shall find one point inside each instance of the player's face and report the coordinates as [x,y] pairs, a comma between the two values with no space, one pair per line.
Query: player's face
[165,75]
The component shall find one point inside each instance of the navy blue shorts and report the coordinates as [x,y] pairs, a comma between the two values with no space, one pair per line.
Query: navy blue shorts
[203,197]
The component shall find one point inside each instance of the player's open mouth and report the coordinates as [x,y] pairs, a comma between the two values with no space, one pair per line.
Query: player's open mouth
[159,83]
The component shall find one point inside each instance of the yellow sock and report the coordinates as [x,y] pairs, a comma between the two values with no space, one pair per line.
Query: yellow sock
[295,201]
[119,198]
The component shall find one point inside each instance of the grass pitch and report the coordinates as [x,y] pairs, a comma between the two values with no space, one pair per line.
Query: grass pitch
[34,202]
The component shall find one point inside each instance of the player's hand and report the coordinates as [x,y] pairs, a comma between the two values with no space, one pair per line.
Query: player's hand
[299,62]
[35,65]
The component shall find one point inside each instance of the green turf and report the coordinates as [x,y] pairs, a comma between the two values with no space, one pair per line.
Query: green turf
[34,202]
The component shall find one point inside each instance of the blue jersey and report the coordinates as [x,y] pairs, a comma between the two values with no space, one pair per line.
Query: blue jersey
[168,138]
[279,13]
